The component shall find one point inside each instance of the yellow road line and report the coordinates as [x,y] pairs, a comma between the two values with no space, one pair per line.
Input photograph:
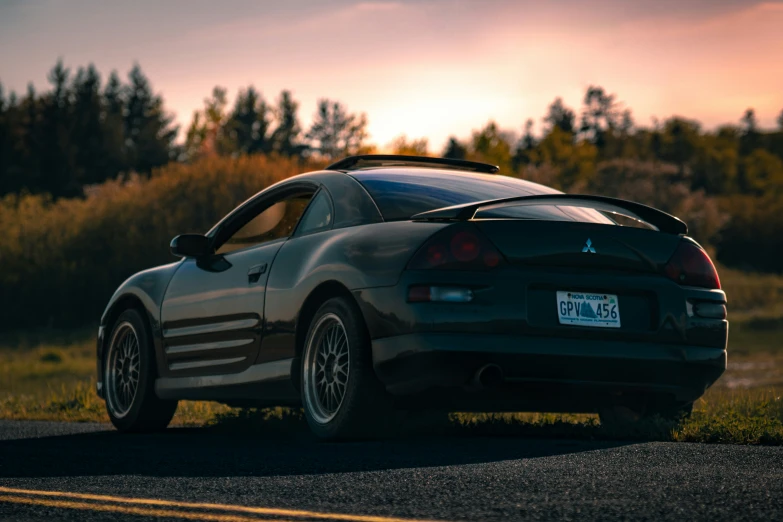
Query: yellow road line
[277,512]
[128,510]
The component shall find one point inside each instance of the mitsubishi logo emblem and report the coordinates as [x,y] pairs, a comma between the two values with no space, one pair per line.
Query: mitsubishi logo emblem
[588,248]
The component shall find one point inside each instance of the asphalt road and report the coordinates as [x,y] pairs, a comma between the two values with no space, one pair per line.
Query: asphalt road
[435,478]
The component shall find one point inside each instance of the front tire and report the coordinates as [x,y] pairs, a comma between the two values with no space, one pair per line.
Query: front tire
[129,378]
[341,395]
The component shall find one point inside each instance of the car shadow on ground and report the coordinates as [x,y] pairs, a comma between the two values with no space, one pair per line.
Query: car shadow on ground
[205,452]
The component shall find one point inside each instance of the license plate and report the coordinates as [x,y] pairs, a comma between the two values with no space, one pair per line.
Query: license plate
[584,309]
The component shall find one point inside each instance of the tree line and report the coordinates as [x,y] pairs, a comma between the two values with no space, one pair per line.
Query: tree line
[82,132]
[727,182]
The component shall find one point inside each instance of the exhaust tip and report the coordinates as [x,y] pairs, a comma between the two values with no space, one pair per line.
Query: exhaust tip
[488,376]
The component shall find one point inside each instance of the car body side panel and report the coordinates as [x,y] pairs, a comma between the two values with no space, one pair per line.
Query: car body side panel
[356,257]
[211,317]
[147,287]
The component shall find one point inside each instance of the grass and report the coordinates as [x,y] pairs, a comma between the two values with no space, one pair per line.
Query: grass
[51,376]
[754,299]
[53,381]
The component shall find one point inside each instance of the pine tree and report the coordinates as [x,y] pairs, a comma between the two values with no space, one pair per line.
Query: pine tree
[6,148]
[149,133]
[455,149]
[56,150]
[88,130]
[560,116]
[113,126]
[248,124]
[524,151]
[285,138]
[336,133]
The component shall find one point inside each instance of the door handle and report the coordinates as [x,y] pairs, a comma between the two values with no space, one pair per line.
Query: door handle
[254,272]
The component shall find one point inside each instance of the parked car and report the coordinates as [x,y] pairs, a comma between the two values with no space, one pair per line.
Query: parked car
[396,282]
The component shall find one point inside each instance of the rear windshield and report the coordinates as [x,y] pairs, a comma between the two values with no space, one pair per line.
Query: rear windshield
[402,194]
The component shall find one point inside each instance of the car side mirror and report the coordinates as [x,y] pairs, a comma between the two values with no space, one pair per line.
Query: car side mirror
[190,245]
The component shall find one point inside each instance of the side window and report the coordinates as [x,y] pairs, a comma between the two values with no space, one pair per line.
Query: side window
[318,215]
[274,222]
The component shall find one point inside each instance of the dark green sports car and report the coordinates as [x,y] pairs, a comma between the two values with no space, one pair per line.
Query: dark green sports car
[395,282]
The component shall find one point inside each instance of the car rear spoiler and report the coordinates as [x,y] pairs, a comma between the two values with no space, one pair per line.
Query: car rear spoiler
[657,218]
[397,160]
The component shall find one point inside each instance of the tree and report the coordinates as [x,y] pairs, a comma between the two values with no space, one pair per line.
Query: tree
[576,161]
[780,120]
[761,173]
[401,145]
[56,173]
[560,116]
[336,133]
[88,128]
[751,138]
[749,122]
[149,132]
[248,124]
[491,145]
[114,126]
[285,137]
[206,135]
[715,165]
[524,153]
[455,149]
[7,146]
[600,116]
[679,142]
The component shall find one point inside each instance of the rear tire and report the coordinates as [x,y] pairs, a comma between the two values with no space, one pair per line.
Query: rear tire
[342,396]
[129,378]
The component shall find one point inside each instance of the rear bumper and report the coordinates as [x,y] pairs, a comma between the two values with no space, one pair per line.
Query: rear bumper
[542,373]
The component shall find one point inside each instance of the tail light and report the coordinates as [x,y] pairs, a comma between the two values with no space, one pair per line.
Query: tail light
[457,248]
[691,266]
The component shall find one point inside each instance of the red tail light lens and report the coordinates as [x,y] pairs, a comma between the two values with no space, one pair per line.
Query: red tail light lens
[457,248]
[691,266]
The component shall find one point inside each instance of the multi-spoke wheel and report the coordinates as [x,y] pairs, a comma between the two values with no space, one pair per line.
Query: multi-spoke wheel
[122,369]
[327,367]
[129,377]
[341,395]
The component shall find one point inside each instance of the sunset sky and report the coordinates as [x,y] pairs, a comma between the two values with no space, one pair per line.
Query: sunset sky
[426,68]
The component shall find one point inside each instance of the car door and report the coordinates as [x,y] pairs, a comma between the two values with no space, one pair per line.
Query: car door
[212,313]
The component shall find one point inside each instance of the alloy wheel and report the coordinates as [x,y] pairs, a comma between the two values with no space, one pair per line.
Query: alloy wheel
[122,369]
[327,368]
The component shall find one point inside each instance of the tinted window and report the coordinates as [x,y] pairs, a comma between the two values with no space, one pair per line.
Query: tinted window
[275,222]
[402,194]
[318,215]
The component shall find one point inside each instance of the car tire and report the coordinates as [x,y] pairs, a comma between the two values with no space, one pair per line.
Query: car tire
[129,372]
[342,397]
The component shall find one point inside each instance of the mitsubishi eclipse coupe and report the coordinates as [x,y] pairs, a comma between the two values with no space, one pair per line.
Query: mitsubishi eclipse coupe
[391,282]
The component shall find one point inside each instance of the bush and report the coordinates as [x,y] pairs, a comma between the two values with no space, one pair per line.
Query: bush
[662,186]
[753,237]
[61,261]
